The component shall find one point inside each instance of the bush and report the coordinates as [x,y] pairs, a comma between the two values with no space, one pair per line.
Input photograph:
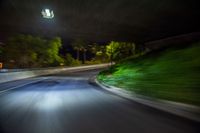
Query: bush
[76,63]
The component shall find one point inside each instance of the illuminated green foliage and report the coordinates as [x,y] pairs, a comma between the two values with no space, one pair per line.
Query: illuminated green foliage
[70,61]
[120,50]
[99,52]
[28,51]
[172,74]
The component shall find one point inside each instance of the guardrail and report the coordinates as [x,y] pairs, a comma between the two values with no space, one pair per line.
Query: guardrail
[22,74]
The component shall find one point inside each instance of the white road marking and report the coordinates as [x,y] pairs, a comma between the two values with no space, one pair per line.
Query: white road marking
[12,88]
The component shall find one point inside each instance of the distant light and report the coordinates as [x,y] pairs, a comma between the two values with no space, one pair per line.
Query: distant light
[47,13]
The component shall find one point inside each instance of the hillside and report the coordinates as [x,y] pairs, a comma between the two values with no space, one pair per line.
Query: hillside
[172,74]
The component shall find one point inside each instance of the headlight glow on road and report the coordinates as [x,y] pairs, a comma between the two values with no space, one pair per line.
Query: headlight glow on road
[49,102]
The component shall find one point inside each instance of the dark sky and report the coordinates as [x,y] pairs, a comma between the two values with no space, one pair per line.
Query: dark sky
[101,20]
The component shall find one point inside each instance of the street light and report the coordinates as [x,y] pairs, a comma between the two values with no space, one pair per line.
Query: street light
[47,13]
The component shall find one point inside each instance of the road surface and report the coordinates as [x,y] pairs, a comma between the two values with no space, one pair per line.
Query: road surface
[68,103]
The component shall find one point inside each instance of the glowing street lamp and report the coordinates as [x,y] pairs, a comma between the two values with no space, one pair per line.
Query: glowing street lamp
[47,13]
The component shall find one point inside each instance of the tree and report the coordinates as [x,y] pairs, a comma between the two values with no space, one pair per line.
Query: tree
[69,59]
[80,46]
[99,51]
[29,51]
[77,45]
[126,50]
[18,50]
[119,50]
[53,51]
[112,50]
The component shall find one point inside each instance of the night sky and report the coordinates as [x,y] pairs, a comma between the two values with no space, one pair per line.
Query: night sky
[101,20]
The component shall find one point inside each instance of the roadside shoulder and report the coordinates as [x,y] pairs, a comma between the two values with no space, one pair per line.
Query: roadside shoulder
[184,110]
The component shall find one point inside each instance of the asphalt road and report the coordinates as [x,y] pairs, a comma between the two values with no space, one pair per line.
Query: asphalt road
[68,103]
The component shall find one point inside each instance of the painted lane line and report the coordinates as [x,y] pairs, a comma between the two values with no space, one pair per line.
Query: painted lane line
[19,86]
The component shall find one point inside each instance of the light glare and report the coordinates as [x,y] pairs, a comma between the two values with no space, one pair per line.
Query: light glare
[46,13]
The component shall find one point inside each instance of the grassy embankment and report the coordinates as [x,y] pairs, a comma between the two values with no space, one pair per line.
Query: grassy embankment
[173,74]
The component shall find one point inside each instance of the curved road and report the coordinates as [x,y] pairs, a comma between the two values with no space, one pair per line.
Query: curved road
[68,103]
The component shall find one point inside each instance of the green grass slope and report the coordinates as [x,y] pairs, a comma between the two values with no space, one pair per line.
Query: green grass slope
[172,74]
